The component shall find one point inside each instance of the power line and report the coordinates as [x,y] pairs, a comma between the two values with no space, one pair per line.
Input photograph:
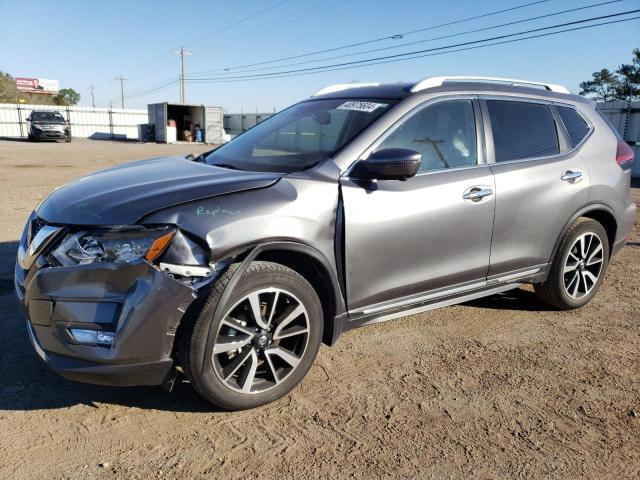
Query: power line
[279,23]
[238,22]
[442,37]
[153,90]
[450,50]
[398,55]
[380,39]
[153,85]
[190,42]
[474,47]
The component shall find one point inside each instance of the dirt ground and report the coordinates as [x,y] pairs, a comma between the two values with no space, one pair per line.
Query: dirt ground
[497,388]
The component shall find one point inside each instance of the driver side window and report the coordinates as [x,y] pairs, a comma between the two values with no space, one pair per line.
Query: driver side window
[444,133]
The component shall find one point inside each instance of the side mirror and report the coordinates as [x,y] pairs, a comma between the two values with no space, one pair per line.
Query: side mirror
[393,164]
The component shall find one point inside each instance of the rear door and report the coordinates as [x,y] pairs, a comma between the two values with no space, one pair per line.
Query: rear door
[406,238]
[540,178]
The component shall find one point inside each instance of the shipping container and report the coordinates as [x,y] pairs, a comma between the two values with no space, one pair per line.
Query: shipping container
[186,119]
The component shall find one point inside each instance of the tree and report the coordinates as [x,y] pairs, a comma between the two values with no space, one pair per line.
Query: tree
[8,90]
[604,86]
[623,84]
[630,77]
[9,93]
[66,96]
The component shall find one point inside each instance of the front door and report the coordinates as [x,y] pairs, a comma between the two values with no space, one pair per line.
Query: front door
[430,232]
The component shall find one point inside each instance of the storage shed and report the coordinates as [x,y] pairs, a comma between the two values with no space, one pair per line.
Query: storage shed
[237,123]
[186,118]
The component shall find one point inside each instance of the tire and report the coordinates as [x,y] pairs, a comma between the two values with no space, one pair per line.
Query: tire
[575,288]
[274,377]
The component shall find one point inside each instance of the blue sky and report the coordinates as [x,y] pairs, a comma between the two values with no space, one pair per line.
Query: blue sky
[82,43]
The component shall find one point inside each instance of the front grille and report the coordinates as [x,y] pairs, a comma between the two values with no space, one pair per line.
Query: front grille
[36,224]
[36,239]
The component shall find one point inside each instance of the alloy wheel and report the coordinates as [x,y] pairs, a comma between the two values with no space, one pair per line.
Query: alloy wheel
[583,265]
[261,340]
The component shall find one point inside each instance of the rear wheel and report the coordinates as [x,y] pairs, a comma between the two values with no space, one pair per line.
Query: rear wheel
[262,345]
[578,268]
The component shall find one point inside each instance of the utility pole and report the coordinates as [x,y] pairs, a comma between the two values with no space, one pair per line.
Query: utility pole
[182,53]
[122,80]
[93,99]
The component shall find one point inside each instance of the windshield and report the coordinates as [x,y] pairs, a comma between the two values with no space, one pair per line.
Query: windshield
[52,117]
[300,136]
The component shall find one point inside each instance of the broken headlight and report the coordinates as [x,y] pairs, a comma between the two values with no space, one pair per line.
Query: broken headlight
[114,245]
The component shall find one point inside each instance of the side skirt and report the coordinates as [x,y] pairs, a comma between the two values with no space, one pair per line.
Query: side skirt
[393,313]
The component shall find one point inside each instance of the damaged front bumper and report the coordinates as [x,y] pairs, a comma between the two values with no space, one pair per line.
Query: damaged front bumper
[136,304]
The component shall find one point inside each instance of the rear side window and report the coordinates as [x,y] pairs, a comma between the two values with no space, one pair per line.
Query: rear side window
[522,130]
[576,127]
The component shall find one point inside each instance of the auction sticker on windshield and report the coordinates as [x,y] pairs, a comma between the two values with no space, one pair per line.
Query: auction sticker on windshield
[361,106]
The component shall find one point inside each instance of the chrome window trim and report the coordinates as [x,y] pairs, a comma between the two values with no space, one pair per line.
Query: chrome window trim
[516,98]
[480,150]
[586,120]
[429,172]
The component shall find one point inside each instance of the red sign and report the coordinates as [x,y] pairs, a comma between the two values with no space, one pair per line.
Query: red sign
[36,85]
[26,83]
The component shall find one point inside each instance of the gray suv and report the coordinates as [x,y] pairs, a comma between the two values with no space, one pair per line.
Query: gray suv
[364,203]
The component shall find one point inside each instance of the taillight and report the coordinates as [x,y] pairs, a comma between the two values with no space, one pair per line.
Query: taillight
[624,155]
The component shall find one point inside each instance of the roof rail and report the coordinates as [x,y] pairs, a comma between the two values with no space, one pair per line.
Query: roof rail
[342,86]
[431,82]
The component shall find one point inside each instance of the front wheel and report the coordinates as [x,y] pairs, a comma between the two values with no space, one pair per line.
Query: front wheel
[578,269]
[264,342]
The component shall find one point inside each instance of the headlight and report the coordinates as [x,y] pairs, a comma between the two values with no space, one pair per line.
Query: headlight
[117,245]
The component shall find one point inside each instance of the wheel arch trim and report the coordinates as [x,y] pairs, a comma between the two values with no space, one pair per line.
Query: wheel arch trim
[250,254]
[589,208]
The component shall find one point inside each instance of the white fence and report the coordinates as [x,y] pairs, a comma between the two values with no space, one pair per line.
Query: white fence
[86,122]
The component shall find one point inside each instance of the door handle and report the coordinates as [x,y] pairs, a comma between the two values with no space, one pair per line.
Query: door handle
[571,176]
[477,193]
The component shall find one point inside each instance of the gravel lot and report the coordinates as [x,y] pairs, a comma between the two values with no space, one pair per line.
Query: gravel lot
[496,388]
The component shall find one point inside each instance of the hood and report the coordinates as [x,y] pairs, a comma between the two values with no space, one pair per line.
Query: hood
[124,194]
